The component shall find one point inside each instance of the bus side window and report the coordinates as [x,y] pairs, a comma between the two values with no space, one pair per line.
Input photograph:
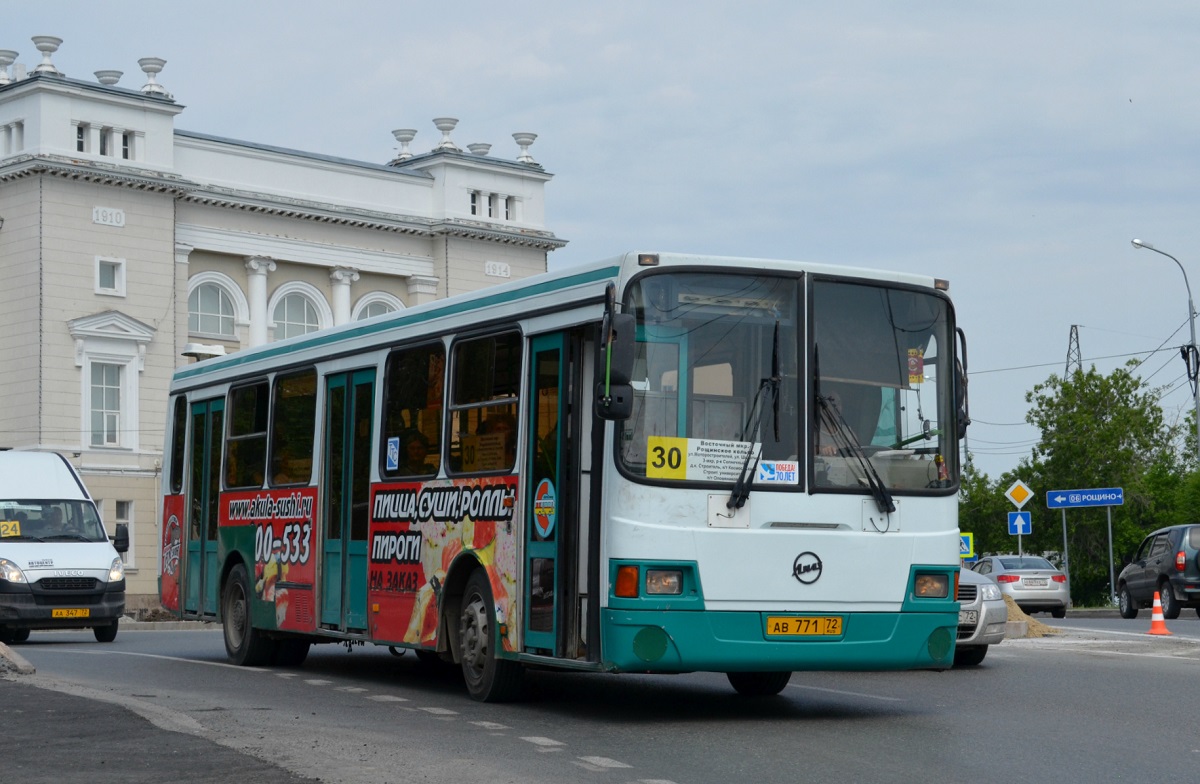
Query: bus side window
[178,435]
[412,406]
[246,444]
[483,405]
[292,428]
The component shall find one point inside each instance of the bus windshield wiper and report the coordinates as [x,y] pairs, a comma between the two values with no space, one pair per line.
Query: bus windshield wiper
[741,487]
[71,536]
[848,443]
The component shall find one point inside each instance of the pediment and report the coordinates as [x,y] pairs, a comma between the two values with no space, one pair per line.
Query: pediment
[111,324]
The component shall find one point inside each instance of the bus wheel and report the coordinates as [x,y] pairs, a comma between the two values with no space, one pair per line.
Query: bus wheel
[106,633]
[488,678]
[758,684]
[244,644]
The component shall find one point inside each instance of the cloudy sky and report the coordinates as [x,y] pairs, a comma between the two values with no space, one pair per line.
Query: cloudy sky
[1013,148]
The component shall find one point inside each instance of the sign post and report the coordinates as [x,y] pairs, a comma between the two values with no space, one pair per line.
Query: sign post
[1019,523]
[1100,496]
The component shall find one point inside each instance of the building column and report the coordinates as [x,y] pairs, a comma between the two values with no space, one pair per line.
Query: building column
[182,252]
[341,278]
[257,269]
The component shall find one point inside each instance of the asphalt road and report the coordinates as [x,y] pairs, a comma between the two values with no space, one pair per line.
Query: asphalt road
[1084,706]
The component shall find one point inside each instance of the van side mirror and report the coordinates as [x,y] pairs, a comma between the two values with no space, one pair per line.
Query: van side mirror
[121,538]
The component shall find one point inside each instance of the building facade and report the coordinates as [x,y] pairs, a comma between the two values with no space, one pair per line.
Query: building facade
[129,247]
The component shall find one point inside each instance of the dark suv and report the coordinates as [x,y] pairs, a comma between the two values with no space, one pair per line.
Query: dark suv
[1168,561]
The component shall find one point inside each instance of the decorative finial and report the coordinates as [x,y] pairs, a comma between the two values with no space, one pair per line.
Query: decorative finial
[151,66]
[47,45]
[7,57]
[109,77]
[446,125]
[524,139]
[404,136]
[479,148]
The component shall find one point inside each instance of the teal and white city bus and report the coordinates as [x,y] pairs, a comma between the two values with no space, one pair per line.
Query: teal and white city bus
[659,463]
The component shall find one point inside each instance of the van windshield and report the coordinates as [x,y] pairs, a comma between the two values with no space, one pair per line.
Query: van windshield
[63,521]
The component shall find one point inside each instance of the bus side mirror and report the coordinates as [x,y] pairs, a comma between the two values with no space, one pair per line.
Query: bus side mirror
[617,404]
[619,349]
[121,538]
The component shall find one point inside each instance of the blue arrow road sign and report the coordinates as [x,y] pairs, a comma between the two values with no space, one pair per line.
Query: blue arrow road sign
[1099,496]
[1020,523]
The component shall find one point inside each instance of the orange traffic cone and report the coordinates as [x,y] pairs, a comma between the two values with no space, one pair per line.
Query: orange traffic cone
[1157,625]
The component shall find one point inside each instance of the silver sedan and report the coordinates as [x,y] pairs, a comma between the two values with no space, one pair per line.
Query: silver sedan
[982,615]
[1033,582]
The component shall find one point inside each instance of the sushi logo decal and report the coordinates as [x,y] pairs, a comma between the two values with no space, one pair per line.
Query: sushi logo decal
[807,568]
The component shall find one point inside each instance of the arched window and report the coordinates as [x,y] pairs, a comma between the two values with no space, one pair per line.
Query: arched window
[295,315]
[373,309]
[210,311]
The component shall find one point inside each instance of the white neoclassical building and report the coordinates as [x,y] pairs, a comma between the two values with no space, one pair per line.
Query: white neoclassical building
[126,242]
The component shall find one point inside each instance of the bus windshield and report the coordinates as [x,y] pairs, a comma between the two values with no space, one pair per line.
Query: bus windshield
[883,408]
[717,396]
[714,382]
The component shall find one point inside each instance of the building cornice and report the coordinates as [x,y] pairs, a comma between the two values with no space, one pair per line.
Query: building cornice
[122,176]
[543,240]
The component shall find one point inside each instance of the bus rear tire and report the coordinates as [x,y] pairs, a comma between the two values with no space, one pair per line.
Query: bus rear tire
[488,678]
[106,633]
[245,645]
[758,684]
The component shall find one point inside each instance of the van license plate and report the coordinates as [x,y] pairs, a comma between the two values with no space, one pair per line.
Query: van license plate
[804,626]
[72,612]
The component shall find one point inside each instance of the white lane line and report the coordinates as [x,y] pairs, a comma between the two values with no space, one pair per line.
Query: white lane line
[440,711]
[601,763]
[238,667]
[847,693]
[491,725]
[387,698]
[351,689]
[317,682]
[287,674]
[545,744]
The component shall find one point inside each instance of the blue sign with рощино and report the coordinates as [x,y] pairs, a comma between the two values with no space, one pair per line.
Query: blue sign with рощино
[1099,496]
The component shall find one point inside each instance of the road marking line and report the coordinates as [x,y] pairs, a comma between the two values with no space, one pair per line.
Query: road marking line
[847,693]
[351,689]
[605,762]
[387,698]
[317,682]
[440,711]
[544,744]
[491,725]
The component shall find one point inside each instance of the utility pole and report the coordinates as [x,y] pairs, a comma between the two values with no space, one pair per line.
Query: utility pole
[1073,356]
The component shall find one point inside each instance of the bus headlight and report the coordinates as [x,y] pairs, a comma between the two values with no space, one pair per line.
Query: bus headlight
[664,581]
[116,572]
[11,572]
[932,586]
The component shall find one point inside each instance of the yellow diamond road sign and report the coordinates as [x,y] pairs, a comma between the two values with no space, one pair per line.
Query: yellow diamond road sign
[1019,493]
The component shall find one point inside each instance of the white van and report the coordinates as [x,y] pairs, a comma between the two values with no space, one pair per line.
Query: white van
[58,569]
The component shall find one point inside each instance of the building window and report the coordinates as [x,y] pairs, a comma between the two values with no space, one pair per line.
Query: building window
[106,404]
[127,145]
[124,516]
[110,276]
[373,309]
[508,208]
[210,311]
[81,131]
[295,315]
[104,134]
[474,202]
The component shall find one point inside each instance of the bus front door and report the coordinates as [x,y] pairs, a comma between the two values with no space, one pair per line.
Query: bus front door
[200,589]
[347,467]
[552,508]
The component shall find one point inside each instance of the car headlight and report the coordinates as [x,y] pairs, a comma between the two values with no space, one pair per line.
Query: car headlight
[990,593]
[116,572]
[11,572]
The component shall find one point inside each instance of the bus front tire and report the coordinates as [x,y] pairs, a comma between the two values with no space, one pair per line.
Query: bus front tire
[488,678]
[758,684]
[245,645]
[106,633]
[9,635]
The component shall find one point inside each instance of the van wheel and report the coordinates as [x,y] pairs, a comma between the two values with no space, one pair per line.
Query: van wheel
[969,657]
[106,633]
[1170,605]
[758,684]
[488,678]
[245,645]
[21,635]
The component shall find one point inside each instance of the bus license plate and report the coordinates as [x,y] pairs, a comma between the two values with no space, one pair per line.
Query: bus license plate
[72,612]
[804,626]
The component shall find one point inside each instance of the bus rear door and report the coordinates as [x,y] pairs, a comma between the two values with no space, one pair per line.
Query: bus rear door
[203,495]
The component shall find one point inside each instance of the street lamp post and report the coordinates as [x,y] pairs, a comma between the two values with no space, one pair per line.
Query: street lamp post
[1192,360]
